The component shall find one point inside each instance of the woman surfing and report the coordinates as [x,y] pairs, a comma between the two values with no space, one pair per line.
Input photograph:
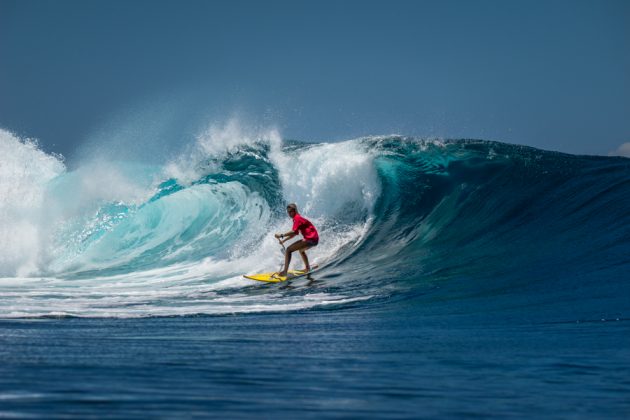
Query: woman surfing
[309,233]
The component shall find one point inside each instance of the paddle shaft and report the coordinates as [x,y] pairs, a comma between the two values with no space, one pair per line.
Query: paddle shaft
[284,251]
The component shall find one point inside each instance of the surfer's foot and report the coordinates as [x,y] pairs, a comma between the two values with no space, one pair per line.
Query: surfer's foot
[281,274]
[308,270]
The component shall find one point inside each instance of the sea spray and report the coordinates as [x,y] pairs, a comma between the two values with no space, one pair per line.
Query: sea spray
[25,172]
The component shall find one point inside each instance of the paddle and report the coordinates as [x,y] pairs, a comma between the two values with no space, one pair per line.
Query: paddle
[284,251]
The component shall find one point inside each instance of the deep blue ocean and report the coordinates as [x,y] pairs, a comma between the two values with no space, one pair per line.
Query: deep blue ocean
[459,278]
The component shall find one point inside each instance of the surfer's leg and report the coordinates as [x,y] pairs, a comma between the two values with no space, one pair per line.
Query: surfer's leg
[307,267]
[287,256]
[296,246]
[287,261]
[308,244]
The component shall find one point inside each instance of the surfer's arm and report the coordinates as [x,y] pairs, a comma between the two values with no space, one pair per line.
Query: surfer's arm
[286,236]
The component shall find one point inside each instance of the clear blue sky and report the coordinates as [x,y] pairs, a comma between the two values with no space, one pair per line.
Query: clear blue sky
[551,74]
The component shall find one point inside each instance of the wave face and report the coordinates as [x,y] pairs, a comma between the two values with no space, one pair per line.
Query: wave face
[462,226]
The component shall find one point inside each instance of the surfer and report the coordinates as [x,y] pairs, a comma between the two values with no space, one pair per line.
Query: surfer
[309,233]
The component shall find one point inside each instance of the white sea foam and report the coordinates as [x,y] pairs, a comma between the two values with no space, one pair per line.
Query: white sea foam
[25,172]
[215,142]
[326,179]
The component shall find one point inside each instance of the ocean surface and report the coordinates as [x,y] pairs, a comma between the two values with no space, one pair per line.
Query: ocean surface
[460,278]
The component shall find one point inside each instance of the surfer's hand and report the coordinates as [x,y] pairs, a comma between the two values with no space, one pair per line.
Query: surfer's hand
[278,235]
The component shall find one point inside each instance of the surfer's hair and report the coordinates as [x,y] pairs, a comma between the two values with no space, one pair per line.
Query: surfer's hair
[292,206]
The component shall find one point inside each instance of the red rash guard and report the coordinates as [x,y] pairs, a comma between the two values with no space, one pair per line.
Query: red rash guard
[305,227]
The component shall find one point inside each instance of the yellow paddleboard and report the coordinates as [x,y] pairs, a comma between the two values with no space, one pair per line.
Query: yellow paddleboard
[274,278]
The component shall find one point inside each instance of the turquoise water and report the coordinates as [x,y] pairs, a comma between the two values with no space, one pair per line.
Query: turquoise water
[460,278]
